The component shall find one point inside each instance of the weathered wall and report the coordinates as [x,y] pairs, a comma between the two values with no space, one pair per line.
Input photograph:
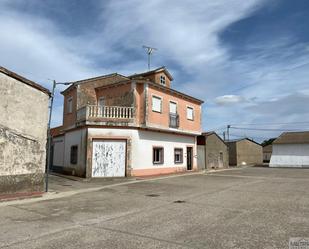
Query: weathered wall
[119,95]
[23,129]
[201,163]
[232,153]
[290,155]
[267,150]
[249,153]
[86,93]
[215,146]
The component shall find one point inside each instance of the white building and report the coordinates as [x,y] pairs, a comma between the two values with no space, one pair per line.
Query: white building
[291,149]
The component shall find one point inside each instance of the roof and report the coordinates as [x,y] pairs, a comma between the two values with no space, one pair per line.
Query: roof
[24,80]
[165,88]
[157,70]
[75,83]
[241,139]
[209,133]
[299,137]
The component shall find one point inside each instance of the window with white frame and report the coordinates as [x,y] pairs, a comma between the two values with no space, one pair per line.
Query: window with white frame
[178,155]
[69,105]
[158,155]
[156,104]
[190,113]
[162,80]
[173,107]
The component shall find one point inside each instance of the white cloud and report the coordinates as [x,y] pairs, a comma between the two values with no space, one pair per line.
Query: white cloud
[187,35]
[229,99]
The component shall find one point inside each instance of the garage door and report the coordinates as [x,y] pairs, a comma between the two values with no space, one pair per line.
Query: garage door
[109,158]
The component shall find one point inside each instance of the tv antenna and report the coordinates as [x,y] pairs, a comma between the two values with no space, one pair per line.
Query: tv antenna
[149,51]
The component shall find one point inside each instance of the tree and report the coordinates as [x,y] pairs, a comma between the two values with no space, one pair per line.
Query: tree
[268,142]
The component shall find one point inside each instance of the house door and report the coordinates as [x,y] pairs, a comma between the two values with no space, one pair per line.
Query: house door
[189,158]
[109,158]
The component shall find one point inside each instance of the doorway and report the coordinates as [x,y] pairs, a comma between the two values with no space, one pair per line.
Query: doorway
[189,158]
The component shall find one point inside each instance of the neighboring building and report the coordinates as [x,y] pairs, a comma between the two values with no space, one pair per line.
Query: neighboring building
[291,149]
[267,150]
[212,151]
[115,125]
[23,133]
[245,152]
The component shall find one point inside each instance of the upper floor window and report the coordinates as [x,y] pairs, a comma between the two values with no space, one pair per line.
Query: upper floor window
[69,105]
[173,107]
[190,113]
[101,101]
[162,80]
[156,104]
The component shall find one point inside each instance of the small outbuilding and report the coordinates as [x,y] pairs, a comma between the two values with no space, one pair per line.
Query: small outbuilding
[291,149]
[212,151]
[245,152]
[267,150]
[23,134]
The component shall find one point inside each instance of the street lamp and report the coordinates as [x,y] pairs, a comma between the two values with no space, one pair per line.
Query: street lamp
[48,130]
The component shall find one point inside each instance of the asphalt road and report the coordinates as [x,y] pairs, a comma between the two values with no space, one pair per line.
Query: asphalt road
[246,208]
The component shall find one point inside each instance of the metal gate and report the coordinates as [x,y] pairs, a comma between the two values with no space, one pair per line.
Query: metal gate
[109,158]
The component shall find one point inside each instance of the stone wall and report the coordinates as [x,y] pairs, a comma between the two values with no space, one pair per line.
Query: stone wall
[23,130]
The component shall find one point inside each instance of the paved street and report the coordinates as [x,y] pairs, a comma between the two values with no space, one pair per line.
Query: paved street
[243,208]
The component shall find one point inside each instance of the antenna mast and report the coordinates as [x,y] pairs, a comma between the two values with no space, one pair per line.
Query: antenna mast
[149,51]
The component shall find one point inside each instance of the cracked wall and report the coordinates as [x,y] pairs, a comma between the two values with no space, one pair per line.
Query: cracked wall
[23,130]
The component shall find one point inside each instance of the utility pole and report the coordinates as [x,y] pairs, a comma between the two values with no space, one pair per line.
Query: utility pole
[224,136]
[228,132]
[49,135]
[149,51]
[48,131]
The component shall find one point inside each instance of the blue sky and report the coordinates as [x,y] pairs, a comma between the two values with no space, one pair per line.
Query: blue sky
[249,60]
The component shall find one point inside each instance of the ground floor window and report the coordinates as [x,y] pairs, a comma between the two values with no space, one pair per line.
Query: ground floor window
[73,154]
[158,155]
[178,155]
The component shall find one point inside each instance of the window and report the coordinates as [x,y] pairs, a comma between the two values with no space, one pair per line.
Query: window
[73,155]
[156,104]
[190,113]
[158,155]
[69,105]
[178,155]
[101,101]
[162,80]
[173,107]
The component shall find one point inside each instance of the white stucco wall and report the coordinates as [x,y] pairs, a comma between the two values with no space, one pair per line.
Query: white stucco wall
[62,150]
[290,155]
[58,155]
[143,142]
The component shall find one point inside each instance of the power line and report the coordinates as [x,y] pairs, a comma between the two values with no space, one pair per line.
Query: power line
[304,122]
[262,129]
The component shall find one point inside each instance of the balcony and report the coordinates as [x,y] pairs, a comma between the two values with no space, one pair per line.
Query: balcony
[174,120]
[105,115]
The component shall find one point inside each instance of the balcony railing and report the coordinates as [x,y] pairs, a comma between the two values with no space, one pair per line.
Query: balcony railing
[105,112]
[174,120]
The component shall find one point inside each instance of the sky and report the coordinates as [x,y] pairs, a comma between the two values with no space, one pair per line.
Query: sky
[248,60]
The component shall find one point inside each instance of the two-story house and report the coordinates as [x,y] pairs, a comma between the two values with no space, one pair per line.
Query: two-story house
[136,125]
